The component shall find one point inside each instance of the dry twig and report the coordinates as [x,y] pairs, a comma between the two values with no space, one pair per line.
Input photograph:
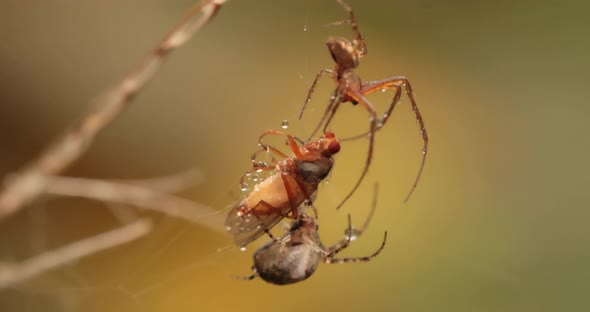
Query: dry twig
[12,274]
[138,196]
[32,180]
[172,183]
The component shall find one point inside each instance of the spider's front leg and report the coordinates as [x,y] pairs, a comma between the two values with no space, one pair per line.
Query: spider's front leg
[312,88]
[360,41]
[360,99]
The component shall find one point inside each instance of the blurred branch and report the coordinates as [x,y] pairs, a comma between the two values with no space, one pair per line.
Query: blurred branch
[170,184]
[138,196]
[32,180]
[11,274]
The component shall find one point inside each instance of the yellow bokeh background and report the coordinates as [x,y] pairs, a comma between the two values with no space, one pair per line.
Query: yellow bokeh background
[499,221]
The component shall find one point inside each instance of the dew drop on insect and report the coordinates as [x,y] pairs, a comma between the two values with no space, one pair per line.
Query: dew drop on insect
[255,177]
[243,187]
[285,124]
[380,122]
[248,174]
[243,248]
[383,90]
[228,228]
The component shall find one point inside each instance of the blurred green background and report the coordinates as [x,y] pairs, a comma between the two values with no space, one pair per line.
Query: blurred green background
[499,221]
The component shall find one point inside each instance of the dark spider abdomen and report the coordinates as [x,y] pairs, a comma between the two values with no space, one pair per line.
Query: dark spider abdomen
[283,264]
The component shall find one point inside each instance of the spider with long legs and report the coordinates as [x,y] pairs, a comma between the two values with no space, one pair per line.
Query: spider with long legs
[350,88]
[293,181]
[296,255]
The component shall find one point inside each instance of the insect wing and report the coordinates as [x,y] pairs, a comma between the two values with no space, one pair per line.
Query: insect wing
[249,227]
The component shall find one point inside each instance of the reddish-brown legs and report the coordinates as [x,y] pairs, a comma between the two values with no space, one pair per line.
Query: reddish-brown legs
[399,82]
[346,54]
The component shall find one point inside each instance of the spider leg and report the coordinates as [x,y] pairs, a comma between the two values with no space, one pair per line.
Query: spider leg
[350,232]
[314,209]
[341,245]
[360,41]
[383,119]
[358,97]
[332,107]
[247,278]
[300,141]
[266,230]
[331,260]
[398,82]
[338,93]
[313,85]
[360,231]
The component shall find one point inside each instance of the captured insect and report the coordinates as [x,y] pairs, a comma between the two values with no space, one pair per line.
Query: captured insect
[295,179]
[295,256]
[347,53]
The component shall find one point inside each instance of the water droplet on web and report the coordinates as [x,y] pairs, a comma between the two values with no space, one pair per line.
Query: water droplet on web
[285,124]
[353,234]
